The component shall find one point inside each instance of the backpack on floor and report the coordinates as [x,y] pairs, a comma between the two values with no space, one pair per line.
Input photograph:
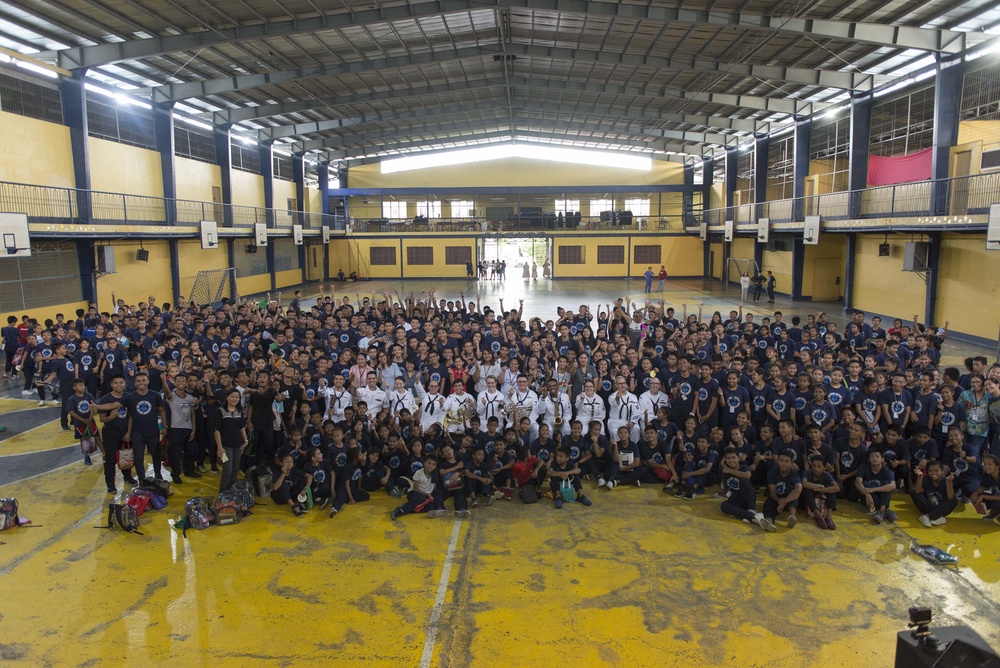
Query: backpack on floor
[528,494]
[244,491]
[261,481]
[158,487]
[123,517]
[199,513]
[227,509]
[156,501]
[8,514]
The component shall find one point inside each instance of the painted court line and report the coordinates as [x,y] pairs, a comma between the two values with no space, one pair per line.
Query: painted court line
[432,626]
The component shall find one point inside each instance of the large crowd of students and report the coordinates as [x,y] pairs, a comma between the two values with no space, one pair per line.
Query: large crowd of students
[432,401]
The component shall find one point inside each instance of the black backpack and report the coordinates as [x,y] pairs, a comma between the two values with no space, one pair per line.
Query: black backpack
[8,514]
[158,487]
[199,512]
[261,480]
[123,517]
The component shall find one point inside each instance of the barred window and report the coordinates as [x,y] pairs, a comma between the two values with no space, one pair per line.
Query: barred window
[250,264]
[26,98]
[189,143]
[829,154]
[420,255]
[126,124]
[746,175]
[781,167]
[646,254]
[48,278]
[282,167]
[286,254]
[382,255]
[457,254]
[571,255]
[245,158]
[611,255]
[903,125]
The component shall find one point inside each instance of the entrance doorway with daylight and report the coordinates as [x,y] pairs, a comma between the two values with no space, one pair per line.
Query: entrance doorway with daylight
[517,252]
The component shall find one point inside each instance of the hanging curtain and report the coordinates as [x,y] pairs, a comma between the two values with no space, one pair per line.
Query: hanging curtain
[900,169]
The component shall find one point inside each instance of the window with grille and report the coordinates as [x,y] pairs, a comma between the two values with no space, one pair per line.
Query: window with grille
[565,206]
[48,278]
[420,255]
[26,98]
[382,255]
[286,255]
[457,254]
[611,255]
[599,205]
[189,143]
[981,102]
[904,124]
[781,167]
[461,208]
[126,124]
[249,264]
[245,158]
[639,206]
[746,175]
[646,254]
[282,168]
[394,209]
[571,255]
[829,154]
[430,209]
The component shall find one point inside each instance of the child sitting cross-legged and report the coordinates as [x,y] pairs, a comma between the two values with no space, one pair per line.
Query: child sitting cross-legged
[420,499]
[934,494]
[563,472]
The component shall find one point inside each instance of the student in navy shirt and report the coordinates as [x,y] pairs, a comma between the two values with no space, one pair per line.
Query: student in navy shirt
[563,471]
[876,483]
[819,493]
[741,499]
[896,403]
[820,412]
[147,421]
[934,494]
[733,399]
[784,486]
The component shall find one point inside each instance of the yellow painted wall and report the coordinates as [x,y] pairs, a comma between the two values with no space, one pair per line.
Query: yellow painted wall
[589,267]
[353,255]
[134,281]
[253,285]
[439,269]
[283,279]
[314,269]
[830,247]
[780,264]
[121,168]
[515,172]
[881,285]
[283,191]
[968,291]
[196,178]
[41,313]
[987,132]
[248,189]
[681,256]
[193,258]
[35,152]
[314,200]
[718,196]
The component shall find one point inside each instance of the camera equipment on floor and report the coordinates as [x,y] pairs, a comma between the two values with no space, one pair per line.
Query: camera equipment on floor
[946,647]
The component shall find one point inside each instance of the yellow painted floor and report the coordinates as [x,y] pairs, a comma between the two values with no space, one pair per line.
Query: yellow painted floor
[639,579]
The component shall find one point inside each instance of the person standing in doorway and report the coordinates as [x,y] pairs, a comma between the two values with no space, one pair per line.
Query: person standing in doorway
[546,268]
[649,279]
[770,287]
[526,271]
[534,270]
[661,278]
[468,269]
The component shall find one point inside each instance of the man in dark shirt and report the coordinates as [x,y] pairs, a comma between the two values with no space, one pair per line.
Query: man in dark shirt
[261,416]
[114,432]
[147,421]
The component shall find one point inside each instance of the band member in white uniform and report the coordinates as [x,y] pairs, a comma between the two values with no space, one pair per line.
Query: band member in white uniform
[337,398]
[553,404]
[490,402]
[650,402]
[521,402]
[458,404]
[623,411]
[431,406]
[399,398]
[372,395]
[590,406]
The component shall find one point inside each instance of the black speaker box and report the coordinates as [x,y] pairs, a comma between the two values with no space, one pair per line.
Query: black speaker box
[142,255]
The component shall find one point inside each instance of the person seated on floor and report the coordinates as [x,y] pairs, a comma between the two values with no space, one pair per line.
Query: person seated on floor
[934,494]
[784,486]
[876,484]
[741,498]
[986,499]
[420,499]
[819,492]
[288,484]
[563,472]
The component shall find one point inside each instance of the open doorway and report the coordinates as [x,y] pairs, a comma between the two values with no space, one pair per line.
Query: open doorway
[518,252]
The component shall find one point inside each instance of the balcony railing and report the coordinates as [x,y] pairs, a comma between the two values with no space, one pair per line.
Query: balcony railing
[53,205]
[513,225]
[960,196]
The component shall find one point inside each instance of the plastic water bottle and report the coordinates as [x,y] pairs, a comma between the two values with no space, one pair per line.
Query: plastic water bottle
[935,555]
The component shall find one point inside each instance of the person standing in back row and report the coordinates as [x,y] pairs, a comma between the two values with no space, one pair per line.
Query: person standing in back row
[661,278]
[770,287]
[758,285]
[230,437]
[147,420]
[649,279]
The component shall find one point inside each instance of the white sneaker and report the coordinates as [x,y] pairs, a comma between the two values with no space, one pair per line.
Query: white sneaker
[757,517]
[926,521]
[612,484]
[939,521]
[26,393]
[54,402]
[601,482]
[41,403]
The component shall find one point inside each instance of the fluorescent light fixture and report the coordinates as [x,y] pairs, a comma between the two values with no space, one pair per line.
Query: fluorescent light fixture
[576,156]
[245,140]
[195,123]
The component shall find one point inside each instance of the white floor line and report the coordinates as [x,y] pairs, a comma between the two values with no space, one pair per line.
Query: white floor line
[432,626]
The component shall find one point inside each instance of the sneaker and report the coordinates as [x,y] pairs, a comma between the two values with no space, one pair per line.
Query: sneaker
[638,483]
[434,514]
[719,495]
[326,503]
[112,490]
[669,485]
[333,511]
[890,515]
[41,403]
[612,484]
[394,515]
[601,482]
[679,492]
[767,525]
[821,521]
[497,494]
[298,510]
[54,402]
[506,493]
[86,460]
[396,493]
[192,474]
[792,521]
[475,502]
[830,524]
[939,521]
[176,479]
[878,517]
[756,519]
[926,521]
[132,481]
[463,514]
[559,502]
[26,393]
[489,499]
[689,496]
[584,500]
[201,467]
[215,468]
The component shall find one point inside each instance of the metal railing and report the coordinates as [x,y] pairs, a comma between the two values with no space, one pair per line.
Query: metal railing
[55,205]
[512,225]
[959,196]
